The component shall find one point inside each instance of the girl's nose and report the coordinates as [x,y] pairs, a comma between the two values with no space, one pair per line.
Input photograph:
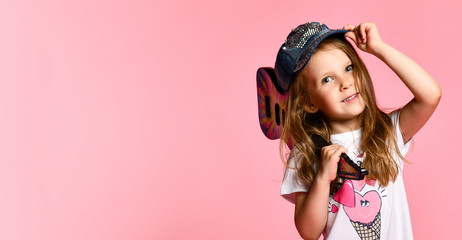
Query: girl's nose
[346,83]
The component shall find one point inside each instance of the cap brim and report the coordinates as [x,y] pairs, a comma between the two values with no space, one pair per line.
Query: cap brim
[310,48]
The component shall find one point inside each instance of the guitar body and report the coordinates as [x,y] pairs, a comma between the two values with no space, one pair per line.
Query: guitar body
[271,103]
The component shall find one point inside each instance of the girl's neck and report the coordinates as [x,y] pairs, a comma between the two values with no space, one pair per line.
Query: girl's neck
[345,126]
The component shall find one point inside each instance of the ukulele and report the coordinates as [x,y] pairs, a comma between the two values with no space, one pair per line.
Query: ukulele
[271,113]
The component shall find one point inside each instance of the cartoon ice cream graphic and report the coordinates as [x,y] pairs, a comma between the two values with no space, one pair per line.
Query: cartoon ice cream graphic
[368,231]
[363,210]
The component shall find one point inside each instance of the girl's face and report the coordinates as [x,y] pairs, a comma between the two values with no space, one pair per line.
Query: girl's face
[332,89]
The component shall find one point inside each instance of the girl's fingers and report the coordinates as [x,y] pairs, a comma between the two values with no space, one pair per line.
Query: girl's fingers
[333,152]
[339,152]
[362,32]
[330,156]
[349,27]
[352,36]
[357,33]
[365,36]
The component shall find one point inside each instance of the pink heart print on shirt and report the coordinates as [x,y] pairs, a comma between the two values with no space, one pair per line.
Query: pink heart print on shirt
[366,207]
[359,185]
[346,194]
[363,210]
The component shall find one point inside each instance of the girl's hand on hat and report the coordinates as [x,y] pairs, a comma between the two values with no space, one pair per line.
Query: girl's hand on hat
[330,156]
[365,36]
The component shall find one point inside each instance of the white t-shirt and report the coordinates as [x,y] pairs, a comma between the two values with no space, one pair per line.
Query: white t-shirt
[361,209]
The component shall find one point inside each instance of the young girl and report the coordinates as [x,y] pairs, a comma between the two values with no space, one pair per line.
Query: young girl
[331,95]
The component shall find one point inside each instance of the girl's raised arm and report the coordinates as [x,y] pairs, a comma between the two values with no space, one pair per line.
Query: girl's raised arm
[426,90]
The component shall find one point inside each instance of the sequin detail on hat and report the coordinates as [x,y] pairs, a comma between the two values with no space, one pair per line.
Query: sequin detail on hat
[306,55]
[300,36]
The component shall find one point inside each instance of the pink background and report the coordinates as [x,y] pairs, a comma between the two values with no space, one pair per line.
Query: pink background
[138,119]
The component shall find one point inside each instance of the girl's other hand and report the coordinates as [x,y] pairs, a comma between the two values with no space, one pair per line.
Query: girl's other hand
[330,156]
[365,36]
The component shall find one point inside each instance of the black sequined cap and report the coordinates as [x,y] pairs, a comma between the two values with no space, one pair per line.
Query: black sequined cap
[296,51]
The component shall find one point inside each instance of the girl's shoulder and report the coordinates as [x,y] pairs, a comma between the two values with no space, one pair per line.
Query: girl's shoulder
[394,116]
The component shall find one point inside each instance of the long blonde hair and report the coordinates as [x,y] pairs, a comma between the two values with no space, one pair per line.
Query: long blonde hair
[378,137]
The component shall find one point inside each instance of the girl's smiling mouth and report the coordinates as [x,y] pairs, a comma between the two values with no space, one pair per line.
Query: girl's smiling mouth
[351,97]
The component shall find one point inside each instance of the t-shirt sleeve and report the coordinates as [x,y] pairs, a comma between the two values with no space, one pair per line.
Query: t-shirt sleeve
[291,182]
[403,147]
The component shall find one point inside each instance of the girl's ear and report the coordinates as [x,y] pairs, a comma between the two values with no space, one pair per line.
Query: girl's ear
[310,108]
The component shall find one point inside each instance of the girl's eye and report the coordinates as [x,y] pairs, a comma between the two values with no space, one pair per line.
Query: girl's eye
[349,68]
[327,79]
